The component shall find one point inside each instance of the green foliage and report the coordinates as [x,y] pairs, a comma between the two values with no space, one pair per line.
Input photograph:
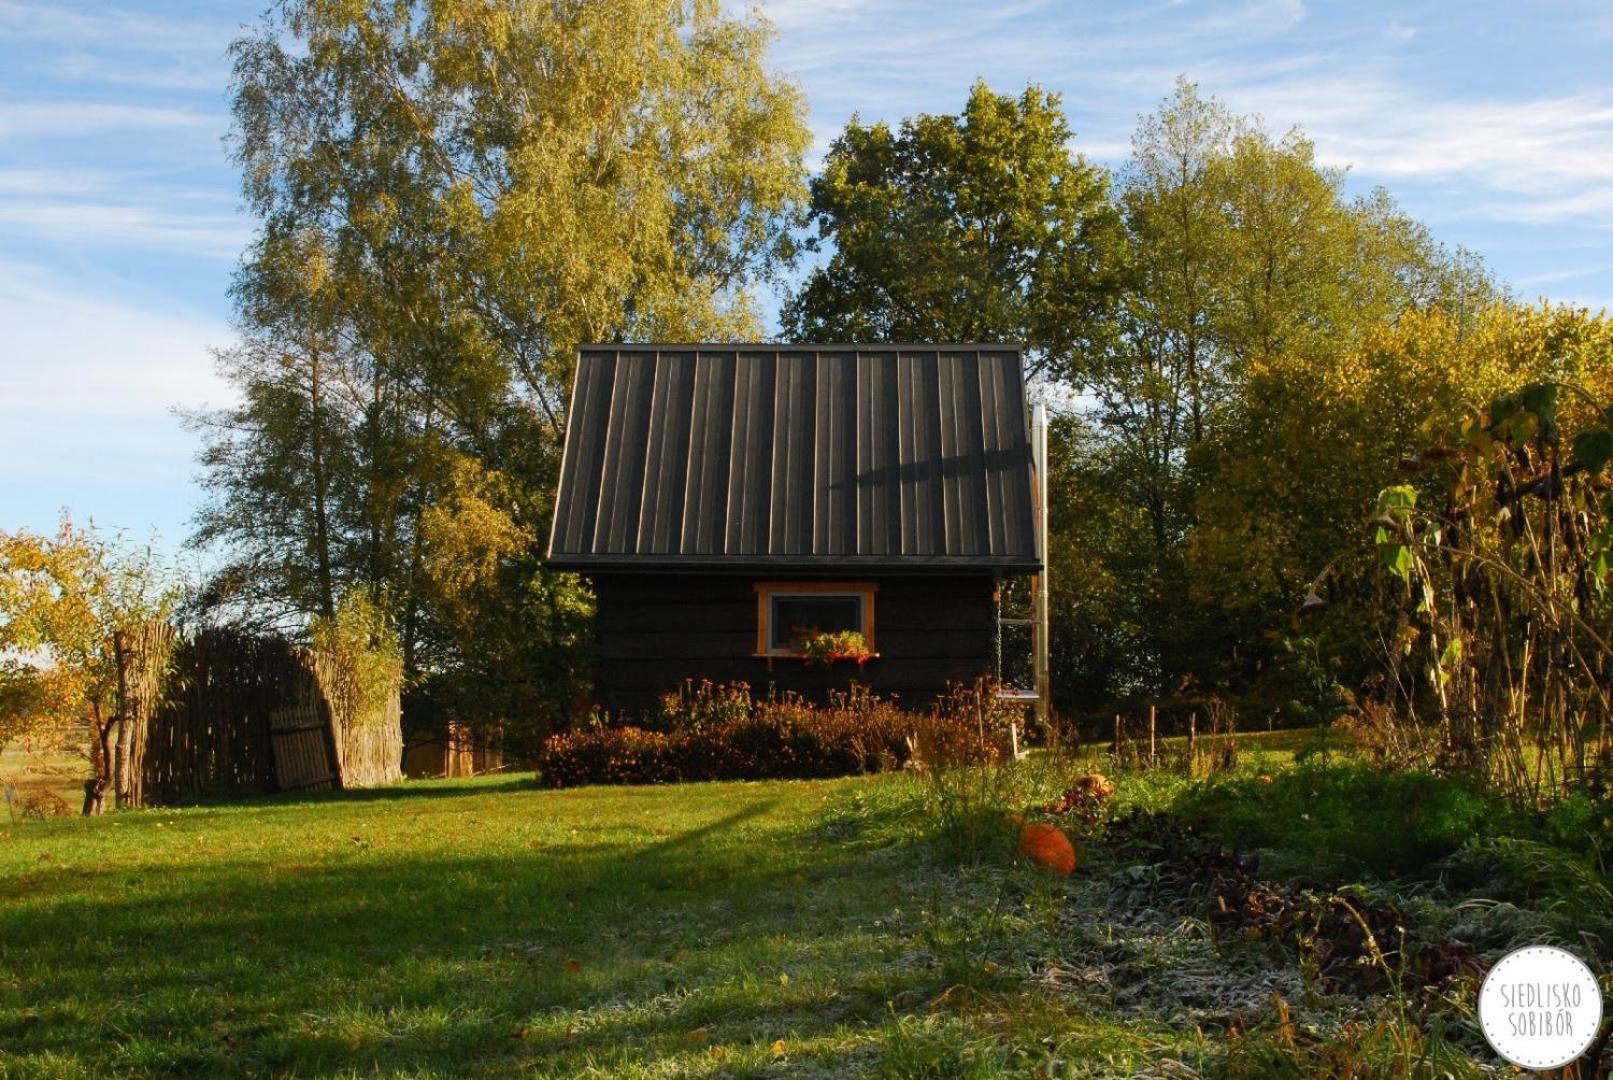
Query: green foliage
[1551,876]
[358,650]
[1223,453]
[1344,819]
[1503,622]
[979,226]
[63,600]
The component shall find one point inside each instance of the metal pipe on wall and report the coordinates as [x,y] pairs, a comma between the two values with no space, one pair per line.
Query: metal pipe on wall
[1040,605]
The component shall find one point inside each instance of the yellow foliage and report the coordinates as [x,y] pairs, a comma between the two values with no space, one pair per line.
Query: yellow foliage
[467,535]
[1290,478]
[62,598]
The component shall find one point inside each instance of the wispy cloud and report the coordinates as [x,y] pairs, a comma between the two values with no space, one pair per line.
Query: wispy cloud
[117,47]
[1530,281]
[90,371]
[215,235]
[76,350]
[52,23]
[65,118]
[1556,153]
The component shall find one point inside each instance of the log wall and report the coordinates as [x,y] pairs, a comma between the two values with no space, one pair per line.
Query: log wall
[652,631]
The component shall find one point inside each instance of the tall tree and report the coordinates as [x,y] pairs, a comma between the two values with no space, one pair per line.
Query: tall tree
[453,195]
[1241,250]
[980,226]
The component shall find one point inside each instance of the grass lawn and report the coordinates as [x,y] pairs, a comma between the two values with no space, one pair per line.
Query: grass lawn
[450,927]
[489,927]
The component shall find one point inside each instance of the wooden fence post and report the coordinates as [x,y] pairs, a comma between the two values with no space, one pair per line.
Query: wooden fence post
[1153,725]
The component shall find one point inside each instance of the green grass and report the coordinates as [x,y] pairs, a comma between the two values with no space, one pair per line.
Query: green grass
[450,926]
[488,927]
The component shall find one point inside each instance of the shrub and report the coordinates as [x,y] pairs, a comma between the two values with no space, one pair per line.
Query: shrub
[1343,819]
[713,731]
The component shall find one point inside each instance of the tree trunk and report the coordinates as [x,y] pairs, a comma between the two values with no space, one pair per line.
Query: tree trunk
[142,656]
[327,592]
[120,765]
[95,789]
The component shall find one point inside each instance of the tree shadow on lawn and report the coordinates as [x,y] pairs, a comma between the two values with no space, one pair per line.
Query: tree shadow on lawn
[723,934]
[402,790]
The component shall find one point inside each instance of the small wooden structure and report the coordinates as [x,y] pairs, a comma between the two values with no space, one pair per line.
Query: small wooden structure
[457,752]
[726,502]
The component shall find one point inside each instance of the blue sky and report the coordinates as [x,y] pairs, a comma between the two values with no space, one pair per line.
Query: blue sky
[120,222]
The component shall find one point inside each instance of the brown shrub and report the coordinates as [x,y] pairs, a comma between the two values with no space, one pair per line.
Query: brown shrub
[717,731]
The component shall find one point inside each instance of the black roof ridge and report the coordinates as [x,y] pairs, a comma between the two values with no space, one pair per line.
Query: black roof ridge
[803,346]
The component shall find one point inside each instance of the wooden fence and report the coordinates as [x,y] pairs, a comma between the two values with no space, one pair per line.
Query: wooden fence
[244,714]
[459,752]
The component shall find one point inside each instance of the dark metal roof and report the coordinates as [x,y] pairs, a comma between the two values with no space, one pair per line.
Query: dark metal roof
[796,456]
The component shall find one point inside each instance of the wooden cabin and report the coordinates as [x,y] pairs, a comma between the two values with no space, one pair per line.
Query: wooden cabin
[728,502]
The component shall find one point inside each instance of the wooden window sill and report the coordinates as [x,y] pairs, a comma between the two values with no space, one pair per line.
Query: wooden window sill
[800,656]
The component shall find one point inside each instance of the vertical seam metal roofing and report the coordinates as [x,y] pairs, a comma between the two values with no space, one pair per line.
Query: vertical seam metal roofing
[733,456]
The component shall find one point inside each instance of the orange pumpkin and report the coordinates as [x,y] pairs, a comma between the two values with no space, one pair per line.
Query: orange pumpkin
[1047,846]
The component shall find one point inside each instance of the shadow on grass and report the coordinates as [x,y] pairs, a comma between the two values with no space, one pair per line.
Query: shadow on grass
[550,955]
[403,789]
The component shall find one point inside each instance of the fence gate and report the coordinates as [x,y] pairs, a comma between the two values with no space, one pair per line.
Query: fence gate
[304,757]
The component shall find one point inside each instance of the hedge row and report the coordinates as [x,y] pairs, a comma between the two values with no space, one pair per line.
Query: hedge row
[718,732]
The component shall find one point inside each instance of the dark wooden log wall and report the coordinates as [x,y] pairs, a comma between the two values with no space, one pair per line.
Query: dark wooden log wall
[653,631]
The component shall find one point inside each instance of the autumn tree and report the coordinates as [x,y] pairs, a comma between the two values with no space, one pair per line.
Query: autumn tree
[1243,252]
[68,602]
[1343,426]
[452,196]
[979,226]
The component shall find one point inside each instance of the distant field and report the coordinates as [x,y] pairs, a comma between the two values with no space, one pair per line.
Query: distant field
[55,763]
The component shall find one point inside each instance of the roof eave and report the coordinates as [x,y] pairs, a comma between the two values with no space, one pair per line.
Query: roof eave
[805,564]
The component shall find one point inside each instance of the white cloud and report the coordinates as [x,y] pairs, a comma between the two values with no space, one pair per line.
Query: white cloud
[54,181]
[211,73]
[89,375]
[1254,17]
[216,235]
[127,30]
[75,352]
[1556,153]
[59,118]
[1530,281]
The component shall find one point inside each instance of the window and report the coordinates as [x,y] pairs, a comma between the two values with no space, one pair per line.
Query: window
[788,611]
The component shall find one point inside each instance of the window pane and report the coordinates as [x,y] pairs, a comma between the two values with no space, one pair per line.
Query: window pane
[795,617]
